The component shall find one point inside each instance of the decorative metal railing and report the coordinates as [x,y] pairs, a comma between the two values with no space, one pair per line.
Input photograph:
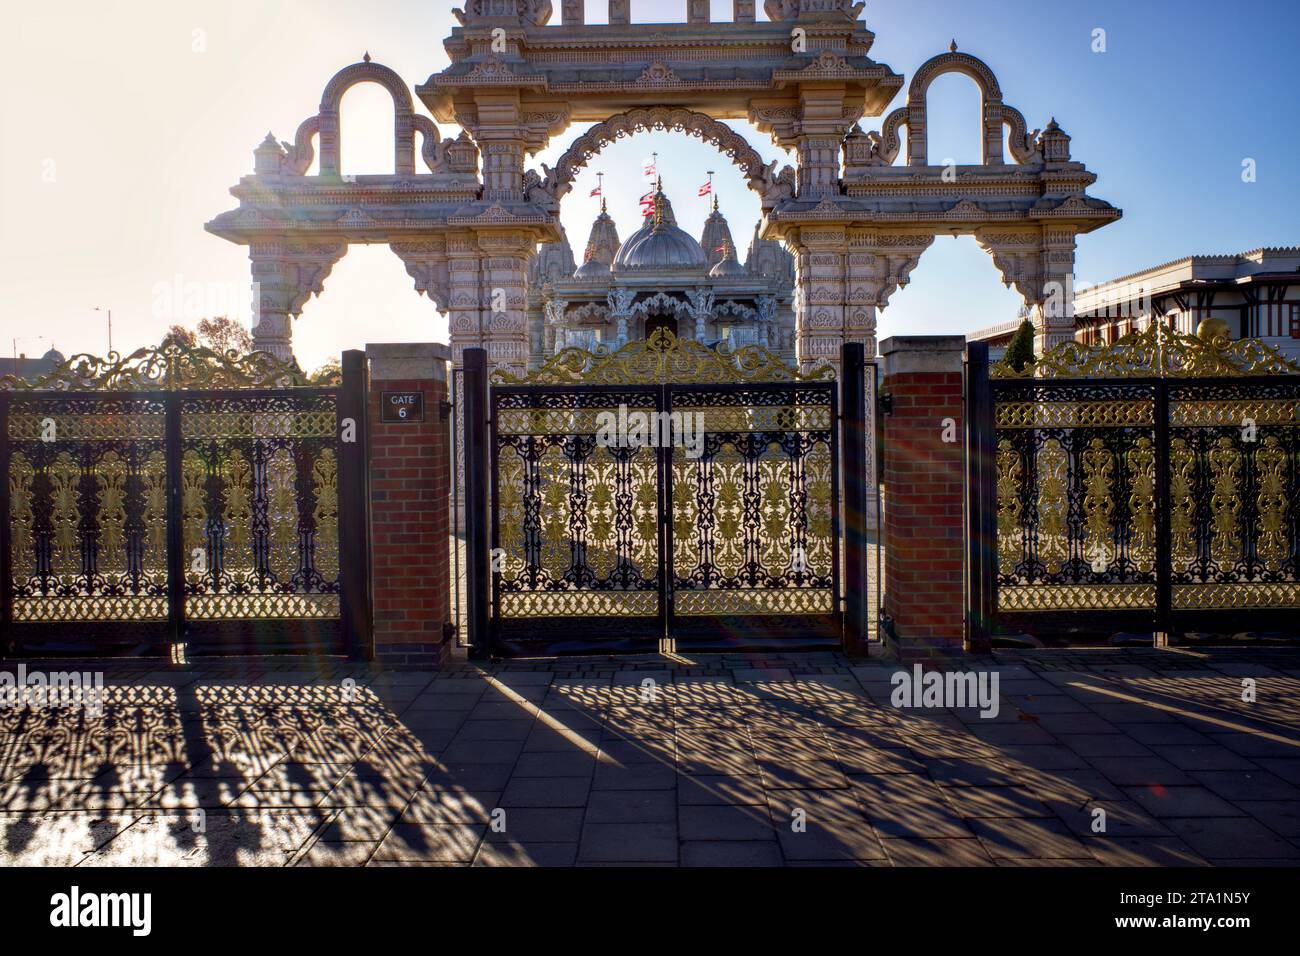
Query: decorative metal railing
[172,496]
[612,544]
[1149,485]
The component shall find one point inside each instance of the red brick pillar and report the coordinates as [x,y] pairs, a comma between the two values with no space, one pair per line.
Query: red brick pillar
[410,462]
[924,474]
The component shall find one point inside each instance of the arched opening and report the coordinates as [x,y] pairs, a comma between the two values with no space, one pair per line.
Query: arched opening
[592,292]
[954,289]
[366,131]
[368,298]
[954,121]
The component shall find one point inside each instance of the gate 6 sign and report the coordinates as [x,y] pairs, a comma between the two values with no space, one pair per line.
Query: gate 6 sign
[401,407]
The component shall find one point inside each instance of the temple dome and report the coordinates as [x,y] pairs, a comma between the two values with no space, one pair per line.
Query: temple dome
[727,266]
[602,247]
[716,235]
[660,246]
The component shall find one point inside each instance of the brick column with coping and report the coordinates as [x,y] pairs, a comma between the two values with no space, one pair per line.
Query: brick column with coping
[924,475]
[410,468]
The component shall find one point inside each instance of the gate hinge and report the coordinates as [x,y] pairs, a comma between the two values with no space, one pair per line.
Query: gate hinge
[444,409]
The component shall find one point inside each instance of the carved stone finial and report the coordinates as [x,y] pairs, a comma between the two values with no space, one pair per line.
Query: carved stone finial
[952,47]
[366,58]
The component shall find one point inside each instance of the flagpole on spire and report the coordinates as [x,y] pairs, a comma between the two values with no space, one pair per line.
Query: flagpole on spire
[600,184]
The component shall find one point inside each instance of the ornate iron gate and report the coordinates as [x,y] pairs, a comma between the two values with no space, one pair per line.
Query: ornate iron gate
[665,489]
[1147,486]
[177,496]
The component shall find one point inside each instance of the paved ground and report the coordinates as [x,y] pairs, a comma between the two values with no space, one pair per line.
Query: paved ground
[730,760]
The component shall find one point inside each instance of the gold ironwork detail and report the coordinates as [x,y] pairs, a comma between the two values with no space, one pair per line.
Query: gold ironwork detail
[237,558]
[95,607]
[1248,594]
[1271,466]
[1109,414]
[1098,505]
[1208,412]
[248,423]
[165,368]
[1052,465]
[1182,474]
[1225,503]
[110,550]
[219,607]
[326,514]
[194,514]
[95,426]
[65,476]
[659,359]
[1142,505]
[22,518]
[775,601]
[1077,597]
[1156,352]
[580,603]
[1010,541]
[282,516]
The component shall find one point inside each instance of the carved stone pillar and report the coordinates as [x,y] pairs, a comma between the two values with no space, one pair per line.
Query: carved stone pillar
[742,11]
[1058,290]
[697,11]
[820,286]
[620,12]
[701,309]
[505,297]
[287,273]
[464,319]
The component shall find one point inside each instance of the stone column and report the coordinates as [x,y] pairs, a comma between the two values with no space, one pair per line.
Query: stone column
[820,287]
[925,547]
[409,498]
[701,310]
[505,291]
[286,273]
[1056,324]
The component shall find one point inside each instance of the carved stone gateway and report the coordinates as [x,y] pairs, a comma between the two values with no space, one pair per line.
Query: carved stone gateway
[467,223]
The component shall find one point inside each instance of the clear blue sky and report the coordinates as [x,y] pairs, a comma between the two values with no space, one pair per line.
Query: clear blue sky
[147,134]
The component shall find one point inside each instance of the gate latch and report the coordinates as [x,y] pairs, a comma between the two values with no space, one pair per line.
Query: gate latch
[887,403]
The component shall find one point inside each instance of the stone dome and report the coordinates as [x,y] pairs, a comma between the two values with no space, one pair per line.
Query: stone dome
[660,246]
[602,247]
[727,266]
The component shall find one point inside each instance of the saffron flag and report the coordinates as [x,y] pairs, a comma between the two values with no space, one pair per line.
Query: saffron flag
[648,204]
[706,188]
[596,191]
[649,167]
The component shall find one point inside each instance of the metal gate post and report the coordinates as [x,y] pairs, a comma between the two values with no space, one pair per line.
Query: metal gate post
[1164,542]
[354,508]
[477,577]
[6,560]
[981,501]
[177,560]
[853,451]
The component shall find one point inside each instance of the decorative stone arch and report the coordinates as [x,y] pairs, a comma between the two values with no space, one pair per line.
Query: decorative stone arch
[994,114]
[760,178]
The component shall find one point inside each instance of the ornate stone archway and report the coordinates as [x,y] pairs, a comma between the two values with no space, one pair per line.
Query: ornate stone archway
[763,179]
[857,224]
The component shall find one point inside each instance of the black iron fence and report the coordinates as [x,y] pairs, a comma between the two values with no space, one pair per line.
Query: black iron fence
[179,497]
[663,490]
[1148,487]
